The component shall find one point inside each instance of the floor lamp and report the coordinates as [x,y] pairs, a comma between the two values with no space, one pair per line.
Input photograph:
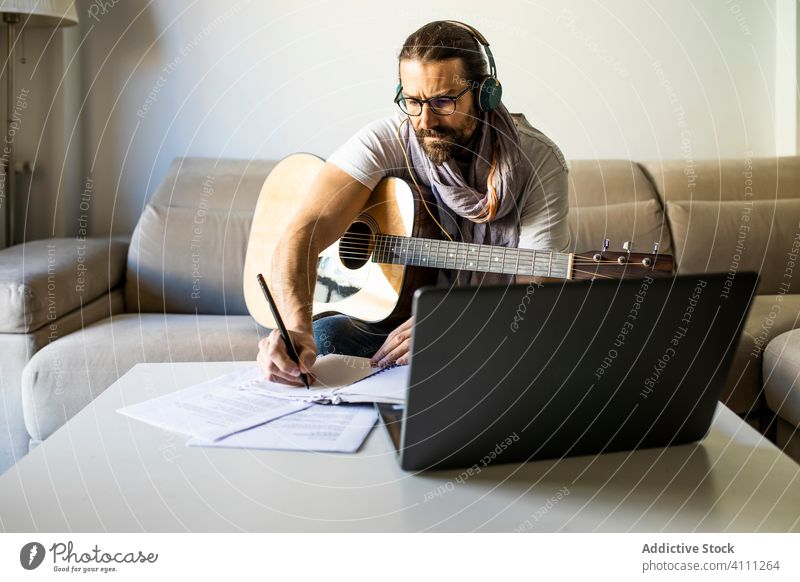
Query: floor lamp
[24,13]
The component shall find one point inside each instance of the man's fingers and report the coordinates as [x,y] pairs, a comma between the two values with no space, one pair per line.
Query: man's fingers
[280,358]
[274,361]
[278,361]
[397,337]
[391,342]
[381,350]
[394,354]
[272,373]
[307,359]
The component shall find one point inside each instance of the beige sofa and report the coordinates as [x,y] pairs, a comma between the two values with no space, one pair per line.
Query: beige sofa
[716,216]
[76,315]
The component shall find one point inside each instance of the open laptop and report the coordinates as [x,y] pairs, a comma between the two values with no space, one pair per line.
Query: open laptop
[510,374]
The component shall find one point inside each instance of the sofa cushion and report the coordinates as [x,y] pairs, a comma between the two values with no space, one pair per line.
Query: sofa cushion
[603,182]
[782,376]
[614,199]
[215,183]
[639,222]
[16,349]
[727,179]
[190,242]
[43,280]
[770,316]
[730,236]
[184,260]
[68,374]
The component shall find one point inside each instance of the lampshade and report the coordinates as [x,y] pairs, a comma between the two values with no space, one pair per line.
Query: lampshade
[42,12]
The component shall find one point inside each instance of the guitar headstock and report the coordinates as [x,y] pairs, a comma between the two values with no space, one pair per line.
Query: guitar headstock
[607,264]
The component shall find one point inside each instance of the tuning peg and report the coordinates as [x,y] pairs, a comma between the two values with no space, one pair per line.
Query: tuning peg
[597,257]
[628,246]
[655,248]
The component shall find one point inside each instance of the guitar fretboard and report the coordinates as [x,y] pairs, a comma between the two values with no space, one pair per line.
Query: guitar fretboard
[424,252]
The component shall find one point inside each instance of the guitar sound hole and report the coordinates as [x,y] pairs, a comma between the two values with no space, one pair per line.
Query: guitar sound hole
[342,269]
[355,247]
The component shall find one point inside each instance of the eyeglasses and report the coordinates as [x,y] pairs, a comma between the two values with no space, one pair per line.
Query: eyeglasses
[443,105]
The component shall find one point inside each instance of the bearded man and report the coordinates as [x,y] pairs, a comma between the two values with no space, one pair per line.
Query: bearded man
[494,179]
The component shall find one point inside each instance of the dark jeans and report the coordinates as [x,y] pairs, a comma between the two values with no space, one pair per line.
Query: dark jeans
[342,334]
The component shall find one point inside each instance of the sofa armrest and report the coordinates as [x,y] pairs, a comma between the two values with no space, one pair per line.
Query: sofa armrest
[43,280]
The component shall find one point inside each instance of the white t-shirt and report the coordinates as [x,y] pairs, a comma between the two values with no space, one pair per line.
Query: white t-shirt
[374,152]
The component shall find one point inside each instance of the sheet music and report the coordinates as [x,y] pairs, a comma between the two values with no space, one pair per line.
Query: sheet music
[215,408]
[322,428]
[243,398]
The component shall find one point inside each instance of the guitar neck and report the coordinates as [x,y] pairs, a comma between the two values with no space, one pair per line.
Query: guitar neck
[425,252]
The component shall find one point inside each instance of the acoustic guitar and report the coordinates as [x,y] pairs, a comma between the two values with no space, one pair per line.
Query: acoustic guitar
[393,247]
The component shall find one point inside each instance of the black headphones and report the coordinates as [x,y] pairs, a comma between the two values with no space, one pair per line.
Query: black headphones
[489,90]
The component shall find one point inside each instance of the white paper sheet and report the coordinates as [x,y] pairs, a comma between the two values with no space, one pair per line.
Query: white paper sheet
[215,408]
[321,427]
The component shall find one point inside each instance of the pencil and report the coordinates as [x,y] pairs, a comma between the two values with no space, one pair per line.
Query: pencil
[284,333]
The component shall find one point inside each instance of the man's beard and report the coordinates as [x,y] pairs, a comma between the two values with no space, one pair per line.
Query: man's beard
[451,143]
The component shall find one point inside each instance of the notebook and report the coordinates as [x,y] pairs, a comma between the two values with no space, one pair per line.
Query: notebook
[340,379]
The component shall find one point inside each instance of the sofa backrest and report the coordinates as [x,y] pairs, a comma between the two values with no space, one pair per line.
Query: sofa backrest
[733,215]
[614,199]
[187,251]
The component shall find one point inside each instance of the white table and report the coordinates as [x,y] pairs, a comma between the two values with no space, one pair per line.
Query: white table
[105,472]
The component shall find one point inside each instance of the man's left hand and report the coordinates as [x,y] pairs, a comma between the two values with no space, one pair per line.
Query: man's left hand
[395,349]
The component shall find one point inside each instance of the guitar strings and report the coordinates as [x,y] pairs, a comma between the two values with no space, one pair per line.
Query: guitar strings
[367,256]
[522,267]
[366,240]
[355,251]
[515,270]
[519,267]
[357,246]
[530,262]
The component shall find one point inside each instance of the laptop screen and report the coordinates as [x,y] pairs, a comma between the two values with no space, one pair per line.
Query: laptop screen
[513,373]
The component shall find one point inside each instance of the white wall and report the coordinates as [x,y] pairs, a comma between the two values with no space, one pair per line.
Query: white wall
[262,79]
[787,65]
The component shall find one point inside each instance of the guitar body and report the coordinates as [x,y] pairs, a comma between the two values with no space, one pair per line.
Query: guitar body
[346,282]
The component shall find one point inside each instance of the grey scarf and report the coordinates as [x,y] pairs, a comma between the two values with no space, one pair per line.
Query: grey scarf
[468,209]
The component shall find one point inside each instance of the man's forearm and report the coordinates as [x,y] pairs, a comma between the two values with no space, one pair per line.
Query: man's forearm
[294,273]
[332,202]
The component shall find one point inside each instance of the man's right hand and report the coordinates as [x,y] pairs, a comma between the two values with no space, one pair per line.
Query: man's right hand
[275,363]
